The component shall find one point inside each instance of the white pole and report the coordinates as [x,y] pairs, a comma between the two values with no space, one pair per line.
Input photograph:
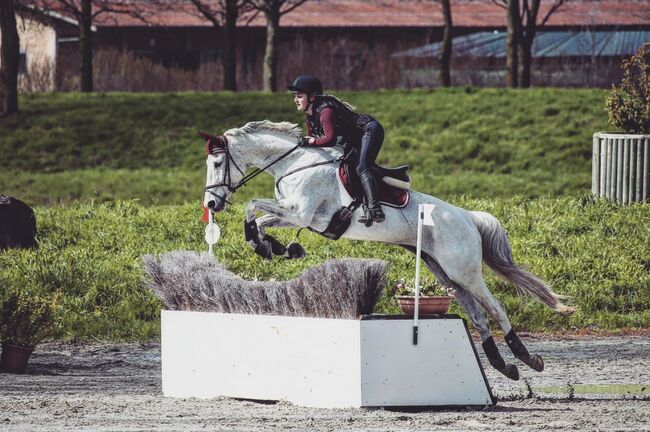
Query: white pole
[417,274]
[210,222]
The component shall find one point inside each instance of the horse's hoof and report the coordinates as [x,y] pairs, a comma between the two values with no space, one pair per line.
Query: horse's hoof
[535,362]
[264,249]
[510,371]
[294,251]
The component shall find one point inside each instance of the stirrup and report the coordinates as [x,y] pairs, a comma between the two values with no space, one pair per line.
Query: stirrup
[371,215]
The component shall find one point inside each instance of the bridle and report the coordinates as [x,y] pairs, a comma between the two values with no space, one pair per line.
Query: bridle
[227,178]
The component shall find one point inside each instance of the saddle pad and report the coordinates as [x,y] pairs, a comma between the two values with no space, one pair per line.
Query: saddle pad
[388,195]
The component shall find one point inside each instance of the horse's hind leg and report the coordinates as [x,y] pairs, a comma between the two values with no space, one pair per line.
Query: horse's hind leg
[463,265]
[485,298]
[478,318]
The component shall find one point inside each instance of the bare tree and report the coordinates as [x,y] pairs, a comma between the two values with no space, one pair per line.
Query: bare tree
[445,53]
[9,58]
[522,27]
[273,11]
[85,12]
[529,27]
[512,43]
[223,15]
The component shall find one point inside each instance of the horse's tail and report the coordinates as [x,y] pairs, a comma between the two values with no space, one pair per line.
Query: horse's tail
[497,254]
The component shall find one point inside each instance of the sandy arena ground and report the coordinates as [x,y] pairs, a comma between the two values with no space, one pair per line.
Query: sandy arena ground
[116,387]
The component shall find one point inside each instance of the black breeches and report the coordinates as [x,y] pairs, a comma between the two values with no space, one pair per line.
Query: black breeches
[371,141]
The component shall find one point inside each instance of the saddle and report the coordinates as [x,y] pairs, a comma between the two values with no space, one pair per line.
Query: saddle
[389,194]
[392,183]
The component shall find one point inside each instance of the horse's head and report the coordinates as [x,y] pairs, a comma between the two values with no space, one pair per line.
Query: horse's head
[253,144]
[223,173]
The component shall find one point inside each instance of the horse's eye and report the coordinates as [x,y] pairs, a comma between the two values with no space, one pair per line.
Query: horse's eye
[217,164]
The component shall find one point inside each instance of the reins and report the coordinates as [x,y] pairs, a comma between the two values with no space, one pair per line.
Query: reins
[246,178]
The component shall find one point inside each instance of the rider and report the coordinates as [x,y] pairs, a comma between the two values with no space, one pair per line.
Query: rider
[328,120]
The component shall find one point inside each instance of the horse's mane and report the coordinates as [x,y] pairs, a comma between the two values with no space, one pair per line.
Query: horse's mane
[291,130]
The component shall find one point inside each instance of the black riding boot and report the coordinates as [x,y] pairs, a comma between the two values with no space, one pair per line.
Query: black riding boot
[372,212]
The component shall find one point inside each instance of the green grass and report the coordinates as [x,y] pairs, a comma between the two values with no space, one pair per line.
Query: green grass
[595,252]
[476,142]
[115,176]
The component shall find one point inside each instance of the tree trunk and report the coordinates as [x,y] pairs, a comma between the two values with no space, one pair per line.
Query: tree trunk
[512,43]
[445,54]
[525,57]
[10,58]
[527,37]
[86,46]
[230,46]
[270,56]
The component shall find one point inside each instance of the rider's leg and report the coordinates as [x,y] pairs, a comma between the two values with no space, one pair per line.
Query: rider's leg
[371,141]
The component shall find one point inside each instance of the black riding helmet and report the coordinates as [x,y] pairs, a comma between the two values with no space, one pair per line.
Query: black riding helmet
[307,84]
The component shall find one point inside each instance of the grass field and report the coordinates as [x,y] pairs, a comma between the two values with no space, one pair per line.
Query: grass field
[117,176]
[463,141]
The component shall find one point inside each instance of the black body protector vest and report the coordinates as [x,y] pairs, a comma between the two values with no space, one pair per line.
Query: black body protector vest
[348,123]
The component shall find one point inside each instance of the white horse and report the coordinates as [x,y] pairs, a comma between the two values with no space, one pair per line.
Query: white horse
[311,194]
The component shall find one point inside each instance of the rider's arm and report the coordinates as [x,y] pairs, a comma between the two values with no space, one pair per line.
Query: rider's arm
[327,120]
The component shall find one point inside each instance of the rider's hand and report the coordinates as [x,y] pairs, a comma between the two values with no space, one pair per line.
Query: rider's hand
[304,141]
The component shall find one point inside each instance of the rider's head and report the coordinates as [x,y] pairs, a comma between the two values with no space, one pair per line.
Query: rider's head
[305,88]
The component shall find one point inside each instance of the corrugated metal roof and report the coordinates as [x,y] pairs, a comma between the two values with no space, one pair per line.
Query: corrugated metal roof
[546,44]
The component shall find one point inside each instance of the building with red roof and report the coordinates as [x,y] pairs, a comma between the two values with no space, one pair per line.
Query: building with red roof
[348,43]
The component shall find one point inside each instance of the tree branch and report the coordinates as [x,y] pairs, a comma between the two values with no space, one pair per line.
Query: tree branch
[210,14]
[290,8]
[260,5]
[557,5]
[501,3]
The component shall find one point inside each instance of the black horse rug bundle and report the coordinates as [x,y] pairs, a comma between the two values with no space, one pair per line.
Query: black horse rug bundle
[340,288]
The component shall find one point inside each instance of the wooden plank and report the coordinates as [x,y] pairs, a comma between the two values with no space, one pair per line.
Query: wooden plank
[595,165]
[608,168]
[626,170]
[613,191]
[639,170]
[603,164]
[632,180]
[646,171]
[619,171]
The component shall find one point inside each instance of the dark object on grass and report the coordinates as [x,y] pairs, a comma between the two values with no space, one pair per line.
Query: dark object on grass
[343,288]
[17,224]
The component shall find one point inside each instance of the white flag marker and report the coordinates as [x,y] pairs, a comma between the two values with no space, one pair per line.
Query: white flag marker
[212,232]
[428,214]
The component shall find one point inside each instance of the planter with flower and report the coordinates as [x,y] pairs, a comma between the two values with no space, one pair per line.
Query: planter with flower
[27,316]
[621,160]
[434,298]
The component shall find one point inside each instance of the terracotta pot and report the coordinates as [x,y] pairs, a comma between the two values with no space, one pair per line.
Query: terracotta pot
[427,304]
[14,358]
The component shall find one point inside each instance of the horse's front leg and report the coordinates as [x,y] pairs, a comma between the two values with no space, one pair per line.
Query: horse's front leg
[290,251]
[278,215]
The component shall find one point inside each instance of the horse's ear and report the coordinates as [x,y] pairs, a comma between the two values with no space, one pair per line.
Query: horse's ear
[206,136]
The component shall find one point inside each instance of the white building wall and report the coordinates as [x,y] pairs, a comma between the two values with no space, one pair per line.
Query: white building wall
[38,45]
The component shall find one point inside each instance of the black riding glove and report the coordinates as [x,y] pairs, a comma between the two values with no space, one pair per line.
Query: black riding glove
[303,141]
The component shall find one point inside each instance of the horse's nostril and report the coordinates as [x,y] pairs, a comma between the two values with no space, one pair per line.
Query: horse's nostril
[211,205]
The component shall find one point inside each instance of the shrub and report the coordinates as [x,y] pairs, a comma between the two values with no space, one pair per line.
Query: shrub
[628,105]
[31,302]
[27,317]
